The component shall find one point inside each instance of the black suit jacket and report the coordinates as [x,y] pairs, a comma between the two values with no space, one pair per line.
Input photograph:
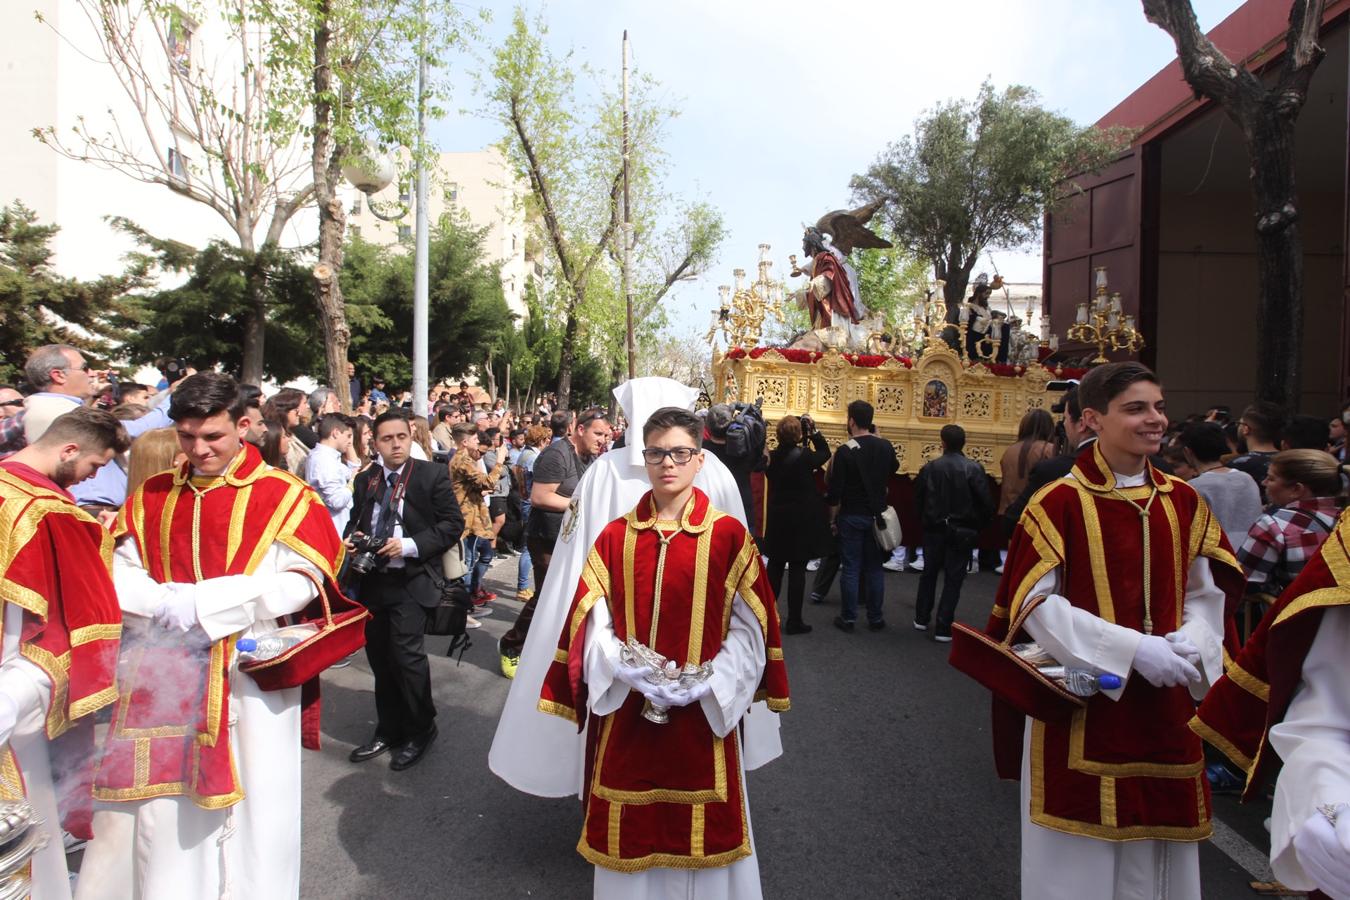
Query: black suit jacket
[431,519]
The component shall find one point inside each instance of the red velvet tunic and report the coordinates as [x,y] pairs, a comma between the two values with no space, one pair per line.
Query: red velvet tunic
[1126,769]
[188,530]
[665,795]
[1255,692]
[55,565]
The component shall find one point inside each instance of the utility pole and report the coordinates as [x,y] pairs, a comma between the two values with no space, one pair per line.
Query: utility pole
[420,255]
[627,224]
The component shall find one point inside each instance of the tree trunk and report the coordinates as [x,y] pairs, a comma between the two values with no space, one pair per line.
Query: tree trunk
[569,352]
[255,326]
[1279,253]
[327,165]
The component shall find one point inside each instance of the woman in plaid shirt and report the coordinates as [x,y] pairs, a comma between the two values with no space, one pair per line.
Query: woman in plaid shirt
[1304,487]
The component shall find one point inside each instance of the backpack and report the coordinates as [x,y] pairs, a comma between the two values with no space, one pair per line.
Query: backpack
[747,433]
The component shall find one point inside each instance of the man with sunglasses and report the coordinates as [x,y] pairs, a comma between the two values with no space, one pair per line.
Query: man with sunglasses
[556,473]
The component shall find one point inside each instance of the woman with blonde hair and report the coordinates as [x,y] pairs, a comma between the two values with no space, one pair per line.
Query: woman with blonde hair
[421,435]
[1304,487]
[152,452]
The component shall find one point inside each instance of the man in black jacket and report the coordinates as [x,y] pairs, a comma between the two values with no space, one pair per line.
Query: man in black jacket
[952,495]
[410,507]
[859,481]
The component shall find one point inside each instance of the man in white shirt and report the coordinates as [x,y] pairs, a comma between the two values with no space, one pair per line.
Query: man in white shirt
[327,469]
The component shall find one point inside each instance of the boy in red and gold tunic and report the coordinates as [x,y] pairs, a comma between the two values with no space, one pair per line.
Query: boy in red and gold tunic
[665,806]
[1129,574]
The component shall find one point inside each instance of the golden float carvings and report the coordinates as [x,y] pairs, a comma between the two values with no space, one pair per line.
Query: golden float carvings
[911,404]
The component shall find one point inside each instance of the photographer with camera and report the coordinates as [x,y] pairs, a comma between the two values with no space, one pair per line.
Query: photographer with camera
[795,528]
[405,519]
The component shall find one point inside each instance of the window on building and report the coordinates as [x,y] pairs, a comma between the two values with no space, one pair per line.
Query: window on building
[355,230]
[356,205]
[453,193]
[513,243]
[178,36]
[404,196]
[405,232]
[178,164]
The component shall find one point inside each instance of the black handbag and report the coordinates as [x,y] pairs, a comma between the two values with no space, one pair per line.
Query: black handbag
[450,617]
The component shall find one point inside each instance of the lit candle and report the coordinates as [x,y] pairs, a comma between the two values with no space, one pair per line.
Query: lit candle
[740,279]
[1101,277]
[723,291]
[1115,304]
[1054,342]
[1113,320]
[1045,329]
[1082,316]
[1129,323]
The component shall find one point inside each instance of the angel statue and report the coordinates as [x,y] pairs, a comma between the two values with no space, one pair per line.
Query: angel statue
[831,295]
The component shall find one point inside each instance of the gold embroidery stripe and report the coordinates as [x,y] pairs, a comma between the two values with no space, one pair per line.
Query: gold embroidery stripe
[615,811]
[1337,596]
[560,655]
[166,529]
[1179,566]
[1249,682]
[694,655]
[774,653]
[142,767]
[562,710]
[95,633]
[269,533]
[235,535]
[696,829]
[1078,762]
[629,556]
[1108,802]
[1101,580]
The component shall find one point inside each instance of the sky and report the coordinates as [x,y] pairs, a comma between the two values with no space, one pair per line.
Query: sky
[783,102]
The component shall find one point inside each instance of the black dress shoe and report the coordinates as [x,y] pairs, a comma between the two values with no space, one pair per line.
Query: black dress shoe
[843,624]
[797,628]
[408,755]
[371,750]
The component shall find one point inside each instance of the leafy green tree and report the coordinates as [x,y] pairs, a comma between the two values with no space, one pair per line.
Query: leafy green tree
[38,307]
[565,143]
[204,318]
[978,174]
[468,314]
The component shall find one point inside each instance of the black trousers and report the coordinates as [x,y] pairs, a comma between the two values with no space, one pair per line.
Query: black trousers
[394,646]
[796,575]
[541,554]
[943,554]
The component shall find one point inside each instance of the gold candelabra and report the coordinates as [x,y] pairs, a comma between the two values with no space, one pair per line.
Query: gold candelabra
[742,310]
[1104,323]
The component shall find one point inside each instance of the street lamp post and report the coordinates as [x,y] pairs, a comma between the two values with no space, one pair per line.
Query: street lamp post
[420,260]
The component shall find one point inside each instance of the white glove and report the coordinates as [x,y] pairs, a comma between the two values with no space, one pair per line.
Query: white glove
[1184,647]
[179,611]
[635,677]
[1324,852]
[1160,666]
[9,717]
[672,695]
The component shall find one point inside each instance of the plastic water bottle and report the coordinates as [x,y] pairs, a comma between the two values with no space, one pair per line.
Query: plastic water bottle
[273,643]
[1082,682]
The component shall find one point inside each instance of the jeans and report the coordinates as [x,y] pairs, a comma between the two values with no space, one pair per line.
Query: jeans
[478,554]
[949,556]
[523,569]
[860,569]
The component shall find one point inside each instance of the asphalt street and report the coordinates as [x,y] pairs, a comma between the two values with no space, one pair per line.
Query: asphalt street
[886,787]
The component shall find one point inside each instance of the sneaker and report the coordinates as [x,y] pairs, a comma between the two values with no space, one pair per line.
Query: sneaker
[509,663]
[471,622]
[915,565]
[893,565]
[943,638]
[812,565]
[483,596]
[1222,781]
[879,625]
[842,624]
[919,626]
[524,594]
[998,569]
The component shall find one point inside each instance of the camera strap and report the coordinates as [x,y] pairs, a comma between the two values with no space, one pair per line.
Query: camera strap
[389,505]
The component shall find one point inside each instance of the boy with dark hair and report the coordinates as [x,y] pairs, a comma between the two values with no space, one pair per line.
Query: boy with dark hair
[1306,433]
[1116,568]
[207,782]
[1259,428]
[659,577]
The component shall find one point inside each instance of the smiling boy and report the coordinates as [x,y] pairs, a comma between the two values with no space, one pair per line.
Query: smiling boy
[665,803]
[1125,571]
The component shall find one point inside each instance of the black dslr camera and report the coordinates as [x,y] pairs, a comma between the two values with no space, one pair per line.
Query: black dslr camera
[365,553]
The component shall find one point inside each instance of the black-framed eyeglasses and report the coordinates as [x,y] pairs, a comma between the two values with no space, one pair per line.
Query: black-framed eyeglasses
[655,456]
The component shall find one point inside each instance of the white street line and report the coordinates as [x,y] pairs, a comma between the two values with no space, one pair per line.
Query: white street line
[1243,852]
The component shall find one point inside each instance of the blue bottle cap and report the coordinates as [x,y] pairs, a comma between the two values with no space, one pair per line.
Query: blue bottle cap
[1108,682]
[248,645]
